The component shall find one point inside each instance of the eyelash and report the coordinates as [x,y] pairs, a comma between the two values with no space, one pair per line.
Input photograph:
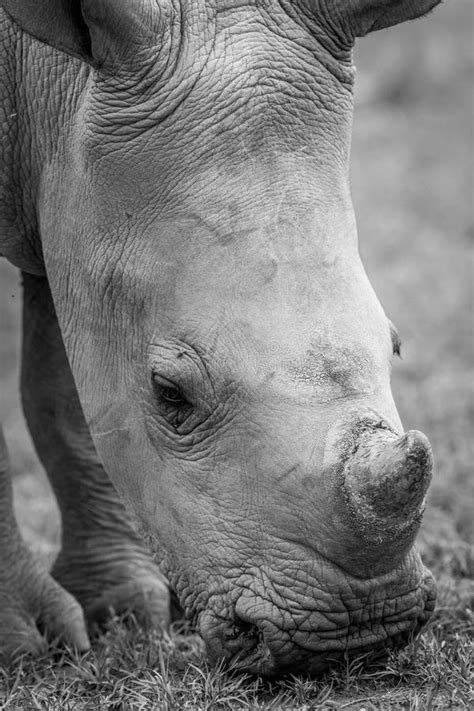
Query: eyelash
[172,395]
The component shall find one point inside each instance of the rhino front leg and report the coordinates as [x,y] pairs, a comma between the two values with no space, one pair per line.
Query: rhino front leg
[102,562]
[30,599]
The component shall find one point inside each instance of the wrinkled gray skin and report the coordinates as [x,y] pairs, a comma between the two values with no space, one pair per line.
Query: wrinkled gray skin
[175,173]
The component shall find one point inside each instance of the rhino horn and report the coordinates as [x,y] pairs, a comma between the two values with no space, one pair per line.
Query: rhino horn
[386,481]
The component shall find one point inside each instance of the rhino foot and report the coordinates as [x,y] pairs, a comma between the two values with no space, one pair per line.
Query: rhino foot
[116,582]
[148,603]
[34,608]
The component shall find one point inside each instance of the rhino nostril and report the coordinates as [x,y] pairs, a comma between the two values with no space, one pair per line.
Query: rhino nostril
[249,634]
[249,650]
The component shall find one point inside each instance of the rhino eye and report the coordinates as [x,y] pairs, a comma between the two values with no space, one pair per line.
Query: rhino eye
[174,405]
[172,395]
[168,393]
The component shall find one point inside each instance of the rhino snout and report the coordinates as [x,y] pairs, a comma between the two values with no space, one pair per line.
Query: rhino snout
[260,637]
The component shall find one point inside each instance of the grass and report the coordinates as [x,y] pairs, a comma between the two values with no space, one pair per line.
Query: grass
[130,669]
[412,184]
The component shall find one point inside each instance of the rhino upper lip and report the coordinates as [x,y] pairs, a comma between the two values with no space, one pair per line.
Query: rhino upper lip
[355,628]
[248,649]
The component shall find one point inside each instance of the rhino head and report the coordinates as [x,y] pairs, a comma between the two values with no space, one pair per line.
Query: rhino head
[232,359]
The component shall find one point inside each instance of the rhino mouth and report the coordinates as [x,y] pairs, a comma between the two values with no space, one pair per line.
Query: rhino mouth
[260,661]
[250,637]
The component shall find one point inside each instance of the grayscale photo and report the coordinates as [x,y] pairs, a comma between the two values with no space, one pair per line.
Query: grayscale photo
[236,355]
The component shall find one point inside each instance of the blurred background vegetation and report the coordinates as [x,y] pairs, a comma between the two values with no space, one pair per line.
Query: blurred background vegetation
[412,176]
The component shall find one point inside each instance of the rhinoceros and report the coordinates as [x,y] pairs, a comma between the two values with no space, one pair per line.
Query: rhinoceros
[205,366]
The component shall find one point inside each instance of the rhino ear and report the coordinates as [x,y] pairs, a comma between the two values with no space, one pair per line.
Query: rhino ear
[59,23]
[109,34]
[363,16]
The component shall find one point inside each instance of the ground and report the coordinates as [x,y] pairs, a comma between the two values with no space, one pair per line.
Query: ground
[413,188]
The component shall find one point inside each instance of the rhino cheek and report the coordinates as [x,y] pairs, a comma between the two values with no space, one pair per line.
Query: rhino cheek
[162,494]
[116,447]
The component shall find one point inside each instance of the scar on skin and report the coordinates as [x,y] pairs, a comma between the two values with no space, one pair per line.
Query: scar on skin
[107,433]
[343,368]
[268,270]
[125,428]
